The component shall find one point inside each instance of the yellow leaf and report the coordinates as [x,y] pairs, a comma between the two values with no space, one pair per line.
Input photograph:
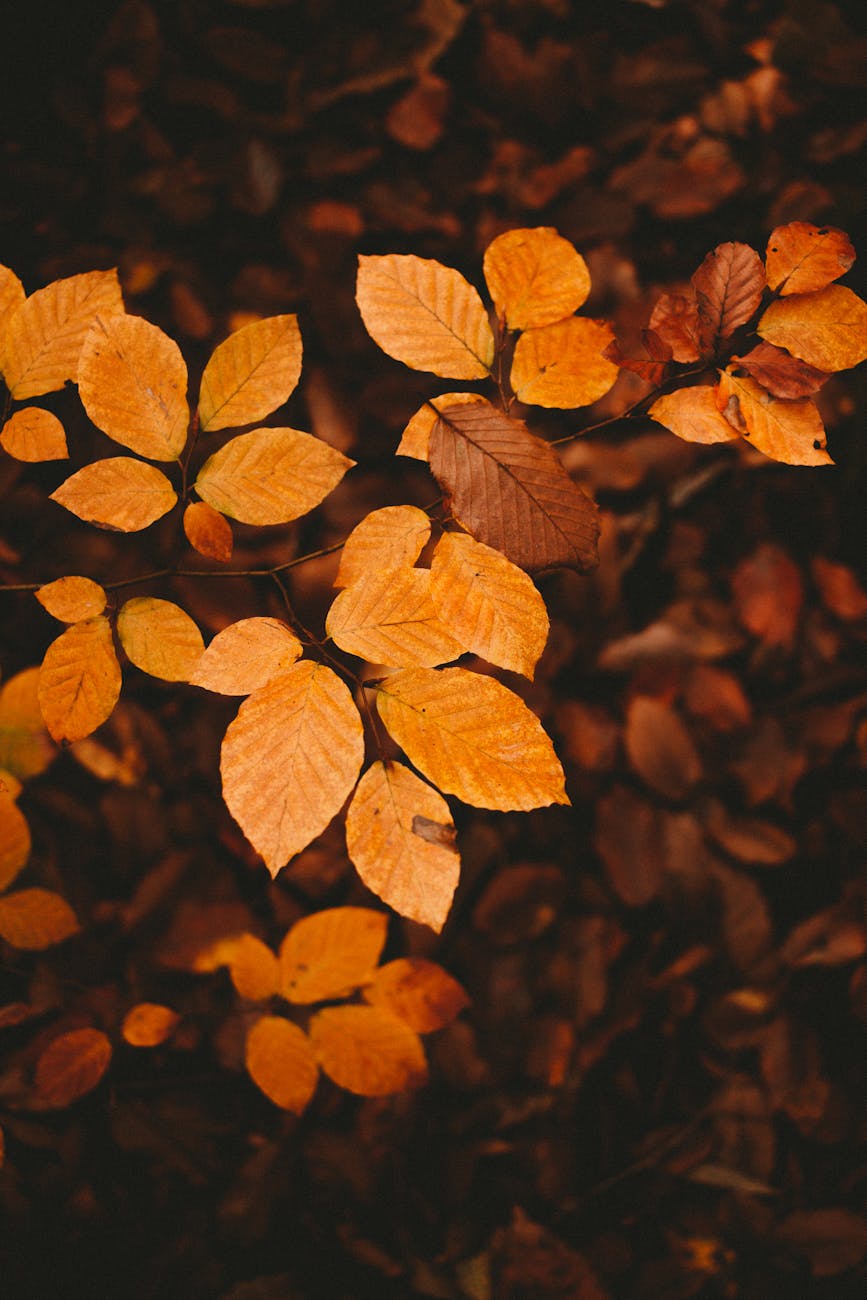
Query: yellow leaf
[12,296]
[802,258]
[280,1061]
[693,414]
[387,617]
[35,919]
[270,476]
[426,315]
[25,746]
[148,1024]
[290,759]
[385,539]
[790,431]
[71,1065]
[490,604]
[246,655]
[44,336]
[132,381]
[254,969]
[72,599]
[368,1051]
[329,954]
[415,441]
[208,532]
[827,329]
[419,992]
[34,434]
[535,277]
[401,839]
[80,680]
[251,373]
[119,493]
[562,365]
[472,737]
[14,839]
[160,638]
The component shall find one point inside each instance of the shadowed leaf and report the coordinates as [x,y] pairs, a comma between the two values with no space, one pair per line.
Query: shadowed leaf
[368,1051]
[71,1065]
[35,919]
[419,992]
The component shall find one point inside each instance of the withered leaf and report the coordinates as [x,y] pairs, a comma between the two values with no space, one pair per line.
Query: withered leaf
[802,258]
[780,373]
[728,288]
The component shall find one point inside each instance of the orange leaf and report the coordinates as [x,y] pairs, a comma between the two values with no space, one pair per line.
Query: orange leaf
[25,746]
[674,320]
[769,594]
[71,1065]
[254,969]
[251,373]
[368,1051]
[728,288]
[208,532]
[270,476]
[693,414]
[12,296]
[148,1024]
[280,1061]
[426,315]
[564,364]
[839,588]
[781,373]
[535,277]
[329,954]
[14,838]
[34,434]
[387,617]
[44,336]
[510,490]
[35,919]
[490,604]
[119,493]
[80,680]
[827,329]
[415,440]
[472,737]
[132,381]
[160,638]
[419,992]
[802,258]
[246,655]
[660,748]
[401,839]
[72,599]
[290,759]
[385,539]
[791,432]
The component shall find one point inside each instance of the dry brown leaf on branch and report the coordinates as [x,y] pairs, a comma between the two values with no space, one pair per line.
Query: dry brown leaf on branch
[25,745]
[660,748]
[675,320]
[120,493]
[368,1051]
[389,538]
[791,432]
[693,414]
[251,373]
[208,532]
[70,1066]
[80,680]
[802,258]
[72,599]
[535,277]
[564,365]
[419,992]
[148,1024]
[246,655]
[35,919]
[401,840]
[781,373]
[415,440]
[34,435]
[331,953]
[388,617]
[827,329]
[160,638]
[728,289]
[14,835]
[280,1060]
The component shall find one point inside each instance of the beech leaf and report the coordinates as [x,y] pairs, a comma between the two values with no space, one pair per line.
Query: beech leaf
[35,919]
[564,365]
[280,1060]
[71,1065]
[160,638]
[251,373]
[675,321]
[33,435]
[388,617]
[802,258]
[14,837]
[693,414]
[535,277]
[148,1024]
[368,1051]
[660,748]
[791,432]
[827,329]
[80,680]
[415,440]
[208,532]
[389,538]
[728,288]
[254,969]
[419,992]
[72,599]
[119,493]
[246,655]
[330,953]
[12,296]
[25,746]
[781,373]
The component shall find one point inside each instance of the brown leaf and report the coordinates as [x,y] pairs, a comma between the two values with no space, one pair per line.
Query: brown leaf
[781,373]
[280,1060]
[827,329]
[791,432]
[331,953]
[758,843]
[36,919]
[419,992]
[651,369]
[208,532]
[768,594]
[728,288]
[660,748]
[802,258]
[717,697]
[520,903]
[368,1051]
[71,1065]
[840,589]
[675,321]
[34,435]
[628,839]
[80,680]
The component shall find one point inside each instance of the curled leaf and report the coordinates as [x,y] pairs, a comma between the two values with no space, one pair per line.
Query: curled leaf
[675,320]
[728,288]
[780,373]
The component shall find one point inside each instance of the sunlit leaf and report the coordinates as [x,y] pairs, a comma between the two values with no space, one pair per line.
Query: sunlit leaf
[71,1065]
[471,737]
[34,434]
[254,969]
[490,604]
[72,599]
[160,638]
[251,373]
[368,1051]
[280,1061]
[80,680]
[40,348]
[329,954]
[401,839]
[270,476]
[25,746]
[791,432]
[693,414]
[132,381]
[14,838]
[781,373]
[119,493]
[827,329]
[208,532]
[803,258]
[246,655]
[387,617]
[426,315]
[389,538]
[35,919]
[148,1024]
[12,296]
[415,440]
[728,288]
[290,760]
[535,277]
[564,364]
[419,992]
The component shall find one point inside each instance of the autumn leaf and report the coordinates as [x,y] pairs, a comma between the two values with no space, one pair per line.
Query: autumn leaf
[389,538]
[387,617]
[780,373]
[148,1024]
[490,604]
[419,992]
[693,414]
[12,295]
[660,748]
[728,288]
[43,338]
[280,1060]
[629,840]
[34,435]
[290,759]
[330,953]
[510,490]
[251,373]
[14,837]
[827,329]
[426,315]
[208,532]
[71,1066]
[72,599]
[803,258]
[415,440]
[535,277]
[401,839]
[368,1051]
[119,493]
[254,969]
[651,368]
[25,746]
[471,737]
[839,588]
[35,919]
[246,655]
[160,638]
[768,594]
[80,680]
[270,476]
[563,365]
[675,321]
[791,432]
